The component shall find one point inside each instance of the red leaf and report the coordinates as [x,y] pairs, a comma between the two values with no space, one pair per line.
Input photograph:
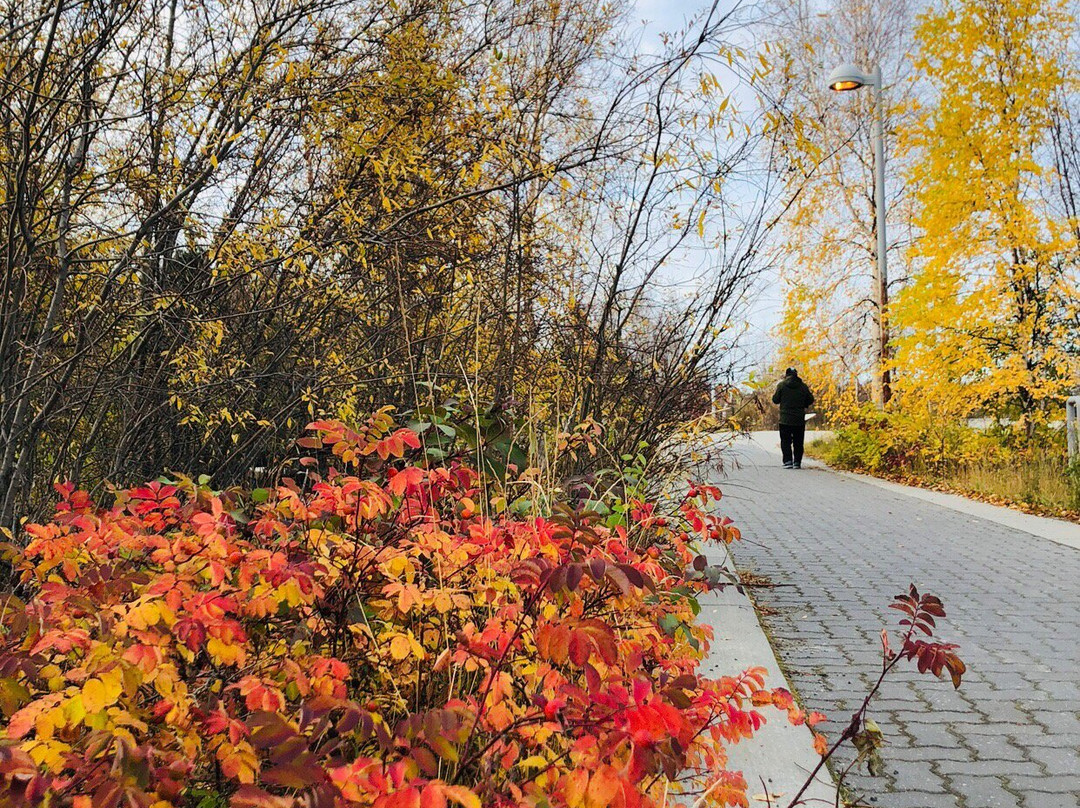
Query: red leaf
[579,648]
[433,796]
[618,577]
[269,729]
[574,574]
[295,775]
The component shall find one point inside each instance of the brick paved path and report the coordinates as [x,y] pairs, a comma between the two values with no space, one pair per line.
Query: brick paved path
[1010,736]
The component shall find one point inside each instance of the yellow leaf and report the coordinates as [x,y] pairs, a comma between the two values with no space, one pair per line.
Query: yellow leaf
[443,602]
[400,647]
[113,682]
[462,796]
[50,754]
[223,653]
[93,696]
[75,709]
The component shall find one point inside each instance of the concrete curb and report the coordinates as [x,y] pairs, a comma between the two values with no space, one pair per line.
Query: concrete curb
[779,758]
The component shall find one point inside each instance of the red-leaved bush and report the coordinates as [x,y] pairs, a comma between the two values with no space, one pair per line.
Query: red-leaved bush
[388,634]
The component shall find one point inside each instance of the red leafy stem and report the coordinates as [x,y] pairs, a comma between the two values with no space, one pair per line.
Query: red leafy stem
[919,613]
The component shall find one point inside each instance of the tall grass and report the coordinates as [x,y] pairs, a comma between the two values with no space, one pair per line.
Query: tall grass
[1043,484]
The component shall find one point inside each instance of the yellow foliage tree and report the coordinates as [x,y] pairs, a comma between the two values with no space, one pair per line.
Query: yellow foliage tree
[828,327]
[981,326]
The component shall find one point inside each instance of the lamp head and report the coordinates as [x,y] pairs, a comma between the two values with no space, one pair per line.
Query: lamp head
[848,77]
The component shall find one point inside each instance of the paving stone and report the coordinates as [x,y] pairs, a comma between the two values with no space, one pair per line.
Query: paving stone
[928,734]
[989,767]
[910,753]
[1038,800]
[1004,712]
[1057,784]
[1064,690]
[1056,722]
[1057,741]
[984,792]
[1057,760]
[997,747]
[1009,736]
[913,799]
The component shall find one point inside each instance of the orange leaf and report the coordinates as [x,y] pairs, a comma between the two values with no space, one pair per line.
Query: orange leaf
[604,787]
[821,745]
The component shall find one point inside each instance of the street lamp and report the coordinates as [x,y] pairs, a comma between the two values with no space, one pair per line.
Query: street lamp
[845,78]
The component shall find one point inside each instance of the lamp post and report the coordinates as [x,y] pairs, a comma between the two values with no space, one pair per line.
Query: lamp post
[843,79]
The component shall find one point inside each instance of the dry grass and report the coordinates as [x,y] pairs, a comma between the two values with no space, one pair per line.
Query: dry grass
[1041,486]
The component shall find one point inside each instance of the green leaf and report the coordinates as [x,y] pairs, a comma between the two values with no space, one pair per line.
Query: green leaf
[13,695]
[690,638]
[669,624]
[595,505]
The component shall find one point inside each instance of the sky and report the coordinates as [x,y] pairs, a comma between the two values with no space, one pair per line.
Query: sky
[668,15]
[763,310]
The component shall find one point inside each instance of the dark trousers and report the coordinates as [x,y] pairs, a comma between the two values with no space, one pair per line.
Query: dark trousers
[791,442]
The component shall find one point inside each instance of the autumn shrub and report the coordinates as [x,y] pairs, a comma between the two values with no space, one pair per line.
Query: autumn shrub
[1001,464]
[387,629]
[898,442]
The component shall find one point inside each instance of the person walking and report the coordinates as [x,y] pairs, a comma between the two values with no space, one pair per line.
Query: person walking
[794,397]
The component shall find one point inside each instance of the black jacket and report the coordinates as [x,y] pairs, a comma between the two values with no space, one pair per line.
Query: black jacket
[794,397]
